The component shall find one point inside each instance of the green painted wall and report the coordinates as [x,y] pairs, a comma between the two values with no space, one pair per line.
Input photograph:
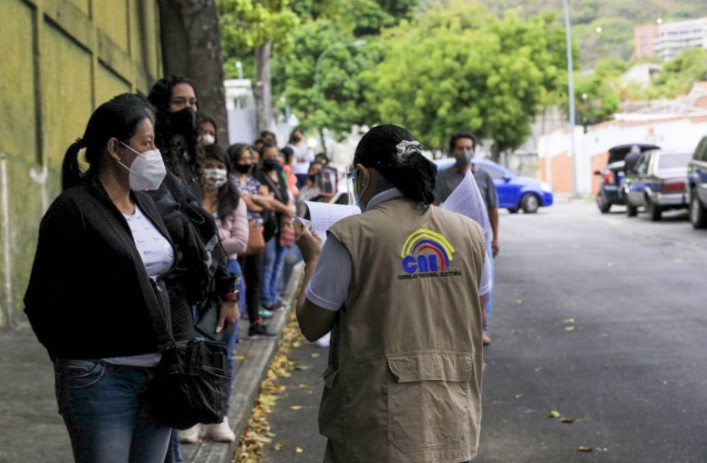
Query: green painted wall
[60,60]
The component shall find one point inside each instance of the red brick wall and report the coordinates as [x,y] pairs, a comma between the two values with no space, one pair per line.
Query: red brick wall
[561,168]
[598,163]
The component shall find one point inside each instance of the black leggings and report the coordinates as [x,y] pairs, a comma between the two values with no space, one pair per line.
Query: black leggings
[252,268]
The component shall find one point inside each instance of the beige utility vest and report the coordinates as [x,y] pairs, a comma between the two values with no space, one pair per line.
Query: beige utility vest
[404,376]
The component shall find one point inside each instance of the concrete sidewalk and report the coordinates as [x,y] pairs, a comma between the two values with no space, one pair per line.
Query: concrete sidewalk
[31,430]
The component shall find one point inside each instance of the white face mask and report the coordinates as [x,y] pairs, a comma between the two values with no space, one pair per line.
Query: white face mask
[208,139]
[147,170]
[215,178]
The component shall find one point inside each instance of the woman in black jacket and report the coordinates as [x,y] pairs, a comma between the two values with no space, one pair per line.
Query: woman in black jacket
[93,290]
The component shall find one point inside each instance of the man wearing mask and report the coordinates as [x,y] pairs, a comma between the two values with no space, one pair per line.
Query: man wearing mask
[462,147]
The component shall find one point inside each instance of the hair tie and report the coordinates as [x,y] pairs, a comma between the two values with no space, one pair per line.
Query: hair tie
[405,148]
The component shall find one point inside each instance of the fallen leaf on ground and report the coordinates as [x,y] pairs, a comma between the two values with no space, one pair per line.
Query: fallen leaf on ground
[303,386]
[296,407]
[519,301]
[568,320]
[279,445]
[584,448]
[569,328]
[567,420]
[518,396]
[239,357]
[299,450]
[554,414]
[314,355]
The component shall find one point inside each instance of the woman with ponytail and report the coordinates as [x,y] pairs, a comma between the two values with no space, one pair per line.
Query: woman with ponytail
[101,246]
[399,286]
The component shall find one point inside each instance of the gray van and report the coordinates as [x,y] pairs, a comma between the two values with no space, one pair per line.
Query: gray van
[697,185]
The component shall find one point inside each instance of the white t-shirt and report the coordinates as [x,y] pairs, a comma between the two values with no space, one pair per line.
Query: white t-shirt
[331,281]
[157,257]
[303,158]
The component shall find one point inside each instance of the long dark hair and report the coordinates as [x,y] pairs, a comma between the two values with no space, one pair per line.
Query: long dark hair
[176,133]
[228,195]
[118,118]
[412,173]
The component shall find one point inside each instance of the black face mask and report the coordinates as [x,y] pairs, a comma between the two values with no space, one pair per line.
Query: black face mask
[296,139]
[242,168]
[183,121]
[270,164]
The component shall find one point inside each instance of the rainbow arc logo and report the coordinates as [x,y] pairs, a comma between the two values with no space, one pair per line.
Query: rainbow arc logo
[426,251]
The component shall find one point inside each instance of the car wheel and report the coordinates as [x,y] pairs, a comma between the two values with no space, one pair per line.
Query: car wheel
[529,203]
[631,211]
[603,204]
[698,213]
[653,211]
[513,210]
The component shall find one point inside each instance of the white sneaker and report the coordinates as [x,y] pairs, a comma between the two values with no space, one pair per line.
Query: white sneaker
[221,432]
[191,435]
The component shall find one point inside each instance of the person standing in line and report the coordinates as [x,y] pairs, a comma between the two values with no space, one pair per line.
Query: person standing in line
[177,136]
[207,129]
[400,287]
[257,199]
[221,199]
[462,147]
[282,208]
[102,250]
[303,155]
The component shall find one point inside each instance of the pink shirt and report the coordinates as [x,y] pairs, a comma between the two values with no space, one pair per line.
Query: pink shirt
[233,230]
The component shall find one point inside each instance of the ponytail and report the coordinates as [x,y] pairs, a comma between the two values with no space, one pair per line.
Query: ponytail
[414,176]
[118,118]
[392,151]
[70,170]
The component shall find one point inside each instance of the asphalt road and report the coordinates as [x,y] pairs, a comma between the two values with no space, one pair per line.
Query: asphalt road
[600,318]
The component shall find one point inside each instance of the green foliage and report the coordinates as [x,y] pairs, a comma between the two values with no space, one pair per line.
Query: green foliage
[679,74]
[340,102]
[597,94]
[248,24]
[617,18]
[460,68]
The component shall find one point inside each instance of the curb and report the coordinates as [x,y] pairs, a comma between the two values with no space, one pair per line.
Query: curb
[250,372]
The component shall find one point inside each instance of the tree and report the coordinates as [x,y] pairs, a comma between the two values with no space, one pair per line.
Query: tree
[478,74]
[680,74]
[255,25]
[191,46]
[326,34]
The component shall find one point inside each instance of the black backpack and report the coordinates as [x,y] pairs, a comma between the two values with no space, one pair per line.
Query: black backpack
[200,247]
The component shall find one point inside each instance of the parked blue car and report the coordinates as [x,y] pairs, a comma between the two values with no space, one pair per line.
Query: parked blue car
[514,191]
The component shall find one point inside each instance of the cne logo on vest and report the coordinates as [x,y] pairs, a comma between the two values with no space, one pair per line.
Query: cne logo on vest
[426,254]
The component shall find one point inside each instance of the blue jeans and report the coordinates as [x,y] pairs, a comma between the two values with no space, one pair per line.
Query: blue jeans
[231,338]
[489,301]
[272,270]
[104,409]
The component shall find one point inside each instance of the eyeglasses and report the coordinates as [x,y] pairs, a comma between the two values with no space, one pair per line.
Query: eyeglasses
[350,171]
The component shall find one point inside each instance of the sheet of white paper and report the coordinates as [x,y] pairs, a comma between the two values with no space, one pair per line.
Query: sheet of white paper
[324,215]
[466,200]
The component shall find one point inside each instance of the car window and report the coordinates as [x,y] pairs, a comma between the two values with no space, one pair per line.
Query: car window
[701,151]
[672,161]
[496,174]
[642,166]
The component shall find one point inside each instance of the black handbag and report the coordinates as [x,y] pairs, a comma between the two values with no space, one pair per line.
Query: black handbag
[192,379]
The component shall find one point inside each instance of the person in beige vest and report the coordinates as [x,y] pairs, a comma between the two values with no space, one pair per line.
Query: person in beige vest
[400,288]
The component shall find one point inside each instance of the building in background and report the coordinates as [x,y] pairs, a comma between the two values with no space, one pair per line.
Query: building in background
[674,125]
[668,40]
[60,60]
